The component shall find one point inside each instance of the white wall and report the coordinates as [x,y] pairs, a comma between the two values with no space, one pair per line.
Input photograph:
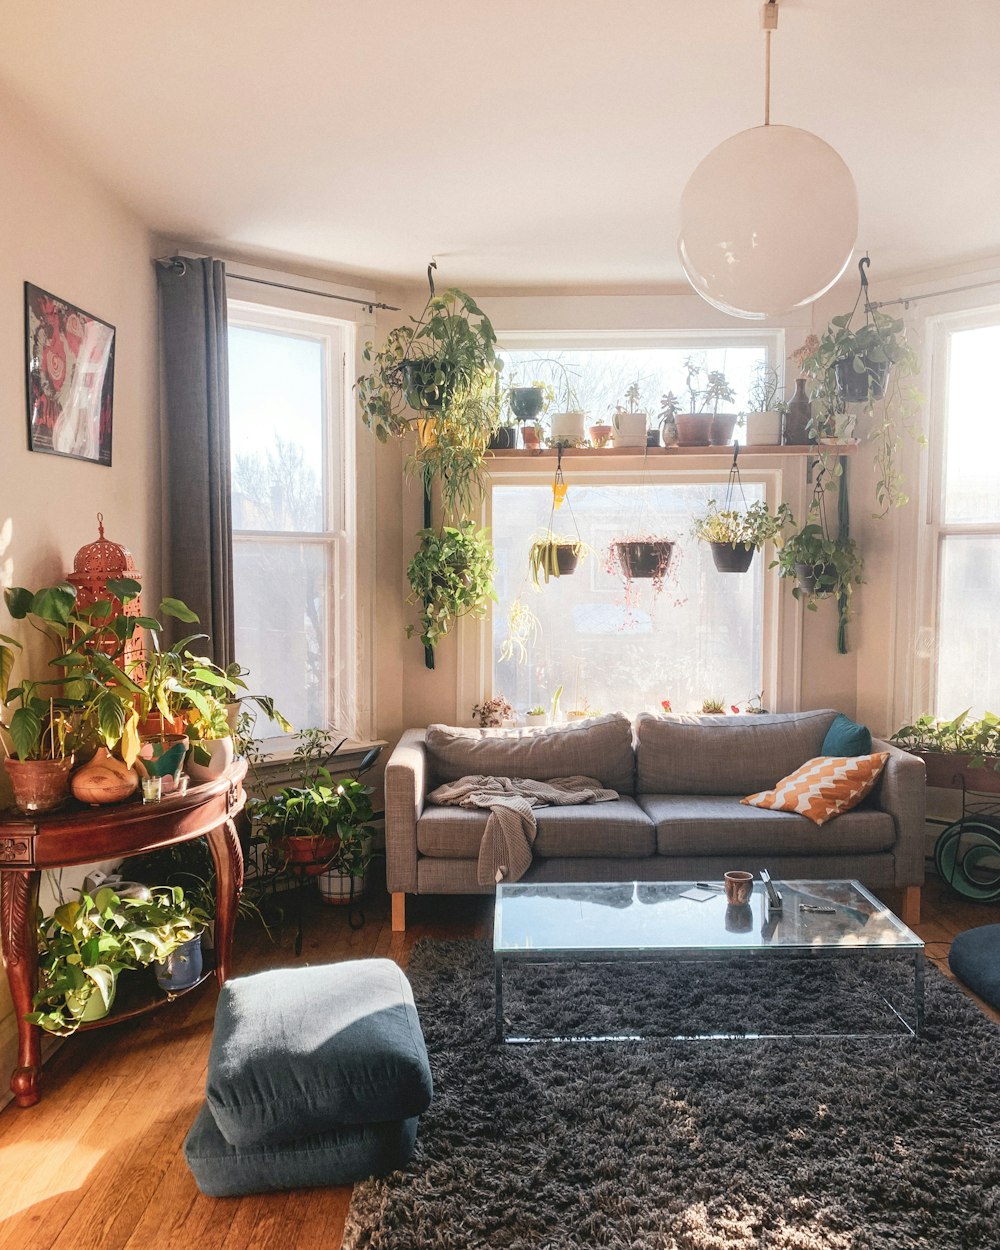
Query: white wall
[65,233]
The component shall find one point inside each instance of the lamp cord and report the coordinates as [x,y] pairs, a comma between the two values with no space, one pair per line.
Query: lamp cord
[769,23]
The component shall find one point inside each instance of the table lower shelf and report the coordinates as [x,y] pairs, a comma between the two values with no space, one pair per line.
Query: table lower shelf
[138,994]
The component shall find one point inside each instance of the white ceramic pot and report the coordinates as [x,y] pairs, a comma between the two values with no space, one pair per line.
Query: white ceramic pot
[630,429]
[220,752]
[567,427]
[538,718]
[763,429]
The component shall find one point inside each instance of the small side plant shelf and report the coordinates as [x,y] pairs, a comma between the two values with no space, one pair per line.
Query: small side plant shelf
[523,455]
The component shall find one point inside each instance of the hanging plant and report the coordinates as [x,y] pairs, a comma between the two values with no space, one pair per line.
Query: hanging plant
[867,365]
[523,628]
[641,559]
[822,566]
[735,534]
[554,556]
[443,371]
[451,576]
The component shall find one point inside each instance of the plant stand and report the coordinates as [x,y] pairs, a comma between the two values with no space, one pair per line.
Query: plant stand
[967,852]
[269,880]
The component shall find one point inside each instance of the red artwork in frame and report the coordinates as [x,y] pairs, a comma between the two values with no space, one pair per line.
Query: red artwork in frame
[70,378]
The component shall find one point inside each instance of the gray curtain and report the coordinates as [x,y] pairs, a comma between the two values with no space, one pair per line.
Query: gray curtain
[198,535]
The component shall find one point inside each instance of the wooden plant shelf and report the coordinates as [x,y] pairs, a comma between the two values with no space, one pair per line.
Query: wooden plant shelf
[521,455]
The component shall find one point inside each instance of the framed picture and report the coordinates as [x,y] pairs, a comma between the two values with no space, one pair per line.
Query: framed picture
[70,378]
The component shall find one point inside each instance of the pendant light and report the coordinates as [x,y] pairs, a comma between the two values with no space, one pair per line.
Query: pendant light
[769,218]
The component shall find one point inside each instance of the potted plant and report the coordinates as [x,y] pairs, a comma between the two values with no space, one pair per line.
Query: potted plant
[713,707]
[554,555]
[441,368]
[866,365]
[451,576]
[536,715]
[704,424]
[822,566]
[343,879]
[765,411]
[531,435]
[735,535]
[523,628]
[177,925]
[641,558]
[964,751]
[493,713]
[600,434]
[670,406]
[630,421]
[527,403]
[298,822]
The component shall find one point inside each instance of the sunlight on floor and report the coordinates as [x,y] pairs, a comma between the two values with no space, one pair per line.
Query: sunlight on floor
[35,1171]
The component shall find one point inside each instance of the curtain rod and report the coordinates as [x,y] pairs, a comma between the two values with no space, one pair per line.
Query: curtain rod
[912,299]
[177,262]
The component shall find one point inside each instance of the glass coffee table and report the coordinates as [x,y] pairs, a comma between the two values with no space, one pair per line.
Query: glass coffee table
[683,920]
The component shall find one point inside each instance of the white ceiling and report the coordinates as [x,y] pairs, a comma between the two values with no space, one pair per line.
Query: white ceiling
[525,143]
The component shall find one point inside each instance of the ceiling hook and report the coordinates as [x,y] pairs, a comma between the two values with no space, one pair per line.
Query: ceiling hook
[430,280]
[863,264]
[736,452]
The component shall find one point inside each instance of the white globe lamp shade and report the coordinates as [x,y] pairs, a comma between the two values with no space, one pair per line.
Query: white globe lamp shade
[769,220]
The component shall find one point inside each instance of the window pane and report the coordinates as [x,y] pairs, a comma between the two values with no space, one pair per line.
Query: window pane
[599,378]
[276,401]
[972,478]
[700,638]
[968,638]
[281,625]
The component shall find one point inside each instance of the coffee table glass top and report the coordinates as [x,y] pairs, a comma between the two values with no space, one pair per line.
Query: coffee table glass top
[637,916]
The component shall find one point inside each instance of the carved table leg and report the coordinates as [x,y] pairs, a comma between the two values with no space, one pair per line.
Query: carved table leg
[224,844]
[18,903]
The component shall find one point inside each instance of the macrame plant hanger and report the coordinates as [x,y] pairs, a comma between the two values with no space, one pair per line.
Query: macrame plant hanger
[428,651]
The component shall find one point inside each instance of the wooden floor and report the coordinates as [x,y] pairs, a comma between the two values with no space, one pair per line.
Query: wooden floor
[98,1163]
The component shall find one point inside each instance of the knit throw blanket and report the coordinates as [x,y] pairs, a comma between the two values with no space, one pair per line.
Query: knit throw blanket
[505,851]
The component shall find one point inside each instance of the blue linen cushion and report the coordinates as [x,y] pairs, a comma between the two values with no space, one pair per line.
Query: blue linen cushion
[345,1153]
[846,737]
[975,959]
[297,1050]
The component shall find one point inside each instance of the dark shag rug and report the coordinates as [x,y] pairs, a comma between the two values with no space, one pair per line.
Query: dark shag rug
[804,1144]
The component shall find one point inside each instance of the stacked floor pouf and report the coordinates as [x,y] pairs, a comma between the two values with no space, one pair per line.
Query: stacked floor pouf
[316,1076]
[975,959]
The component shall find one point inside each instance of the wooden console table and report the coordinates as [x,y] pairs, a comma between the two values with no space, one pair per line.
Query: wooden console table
[85,835]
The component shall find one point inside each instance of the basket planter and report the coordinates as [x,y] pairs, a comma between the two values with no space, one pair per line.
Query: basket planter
[340,889]
[643,559]
[732,557]
[39,785]
[858,388]
[950,769]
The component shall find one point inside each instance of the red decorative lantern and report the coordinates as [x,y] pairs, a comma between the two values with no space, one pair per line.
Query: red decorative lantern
[94,566]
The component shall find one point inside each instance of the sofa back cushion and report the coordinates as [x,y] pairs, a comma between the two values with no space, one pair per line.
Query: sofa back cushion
[724,754]
[599,747]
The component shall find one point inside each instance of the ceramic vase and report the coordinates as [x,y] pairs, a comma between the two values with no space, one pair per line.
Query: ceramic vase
[104,779]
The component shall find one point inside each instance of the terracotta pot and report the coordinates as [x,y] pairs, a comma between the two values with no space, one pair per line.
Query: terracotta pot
[694,429]
[104,780]
[529,438]
[721,429]
[39,785]
[155,725]
[312,849]
[599,434]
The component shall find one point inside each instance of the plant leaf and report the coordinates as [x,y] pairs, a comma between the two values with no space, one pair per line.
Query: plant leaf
[178,609]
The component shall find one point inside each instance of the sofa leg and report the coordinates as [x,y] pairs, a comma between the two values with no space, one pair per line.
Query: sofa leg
[399,913]
[911,906]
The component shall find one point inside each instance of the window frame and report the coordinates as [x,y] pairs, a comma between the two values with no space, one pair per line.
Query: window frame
[935,530]
[782,624]
[338,535]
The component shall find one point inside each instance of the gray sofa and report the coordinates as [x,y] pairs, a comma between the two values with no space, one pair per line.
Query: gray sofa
[678,816]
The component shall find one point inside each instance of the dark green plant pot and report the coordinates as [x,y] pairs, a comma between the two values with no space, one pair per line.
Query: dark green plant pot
[858,388]
[526,402]
[424,388]
[504,438]
[644,560]
[809,577]
[730,558]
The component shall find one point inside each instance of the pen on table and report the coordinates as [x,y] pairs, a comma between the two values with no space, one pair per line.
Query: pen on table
[826,911]
[708,885]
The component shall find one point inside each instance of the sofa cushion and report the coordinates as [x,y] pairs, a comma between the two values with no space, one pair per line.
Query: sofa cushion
[824,787]
[297,1050]
[616,828]
[701,825]
[600,747]
[846,737]
[724,754]
[345,1153]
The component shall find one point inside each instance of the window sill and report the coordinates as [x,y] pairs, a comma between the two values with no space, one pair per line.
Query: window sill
[521,455]
[278,765]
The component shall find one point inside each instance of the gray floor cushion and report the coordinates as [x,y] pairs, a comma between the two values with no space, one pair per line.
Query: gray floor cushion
[975,959]
[344,1154]
[297,1050]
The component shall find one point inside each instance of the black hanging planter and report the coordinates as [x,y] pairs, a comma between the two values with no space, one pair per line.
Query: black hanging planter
[526,402]
[858,388]
[647,558]
[816,579]
[426,384]
[567,558]
[733,557]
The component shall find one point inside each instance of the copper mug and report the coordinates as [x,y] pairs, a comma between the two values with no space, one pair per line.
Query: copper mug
[739,887]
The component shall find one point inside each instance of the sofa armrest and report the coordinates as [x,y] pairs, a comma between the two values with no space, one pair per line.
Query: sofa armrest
[405,787]
[901,792]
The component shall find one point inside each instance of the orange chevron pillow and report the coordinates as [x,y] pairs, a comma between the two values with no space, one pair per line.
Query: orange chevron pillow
[823,787]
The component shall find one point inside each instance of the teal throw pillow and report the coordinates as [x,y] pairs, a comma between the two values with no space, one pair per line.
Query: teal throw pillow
[846,737]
